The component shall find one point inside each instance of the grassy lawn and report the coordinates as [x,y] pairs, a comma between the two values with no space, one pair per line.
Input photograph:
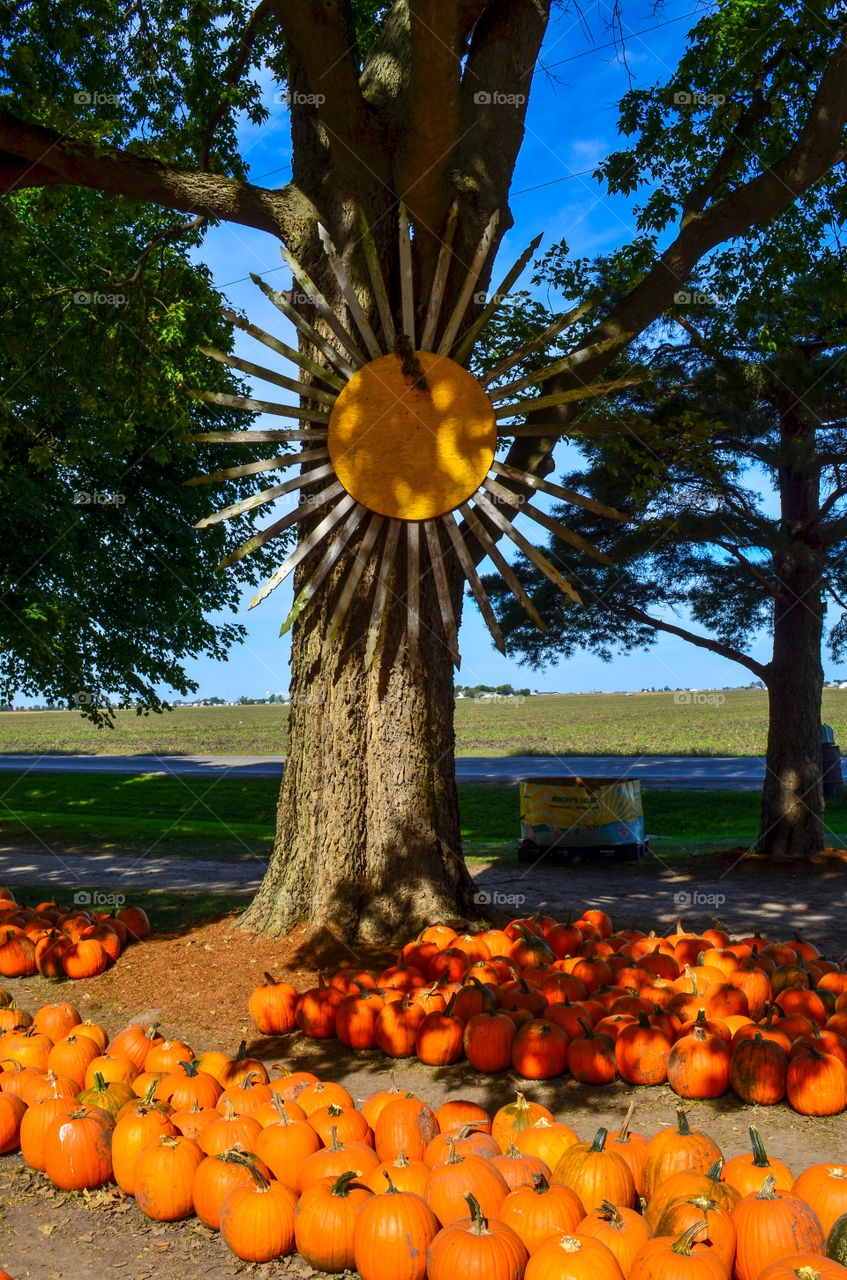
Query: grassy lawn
[563,724]
[231,818]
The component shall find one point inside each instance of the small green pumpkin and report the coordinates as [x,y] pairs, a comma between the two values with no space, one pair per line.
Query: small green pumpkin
[836,1241]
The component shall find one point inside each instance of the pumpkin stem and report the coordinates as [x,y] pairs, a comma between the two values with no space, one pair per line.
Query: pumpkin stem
[334,1110]
[768,1191]
[479,1223]
[454,1157]
[682,1126]
[229,1110]
[147,1100]
[643,1020]
[401,1161]
[190,1068]
[623,1132]
[713,1173]
[99,1082]
[760,1156]
[611,1214]
[341,1186]
[686,1240]
[540,1185]
[599,1140]
[514,1153]
[587,1030]
[335,1145]
[270,981]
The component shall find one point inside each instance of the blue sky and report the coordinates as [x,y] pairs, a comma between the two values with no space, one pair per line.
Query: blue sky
[571,126]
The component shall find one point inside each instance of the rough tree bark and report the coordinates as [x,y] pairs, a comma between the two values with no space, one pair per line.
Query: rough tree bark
[368,838]
[792,823]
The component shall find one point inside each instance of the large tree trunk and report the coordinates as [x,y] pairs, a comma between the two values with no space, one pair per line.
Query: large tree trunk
[368,837]
[792,799]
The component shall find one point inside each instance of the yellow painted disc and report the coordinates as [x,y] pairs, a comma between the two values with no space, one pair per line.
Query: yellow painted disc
[410,452]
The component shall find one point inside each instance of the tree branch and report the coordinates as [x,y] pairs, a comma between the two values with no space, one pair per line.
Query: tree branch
[431,121]
[50,158]
[702,642]
[817,148]
[322,35]
[238,65]
[754,572]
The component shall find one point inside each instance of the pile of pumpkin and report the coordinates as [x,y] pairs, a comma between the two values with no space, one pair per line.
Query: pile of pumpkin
[394,1188]
[703,1012]
[64,942]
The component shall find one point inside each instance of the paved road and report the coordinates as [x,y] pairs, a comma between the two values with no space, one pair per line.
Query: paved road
[684,773]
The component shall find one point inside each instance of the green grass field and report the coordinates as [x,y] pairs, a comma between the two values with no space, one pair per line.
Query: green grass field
[565,724]
[231,819]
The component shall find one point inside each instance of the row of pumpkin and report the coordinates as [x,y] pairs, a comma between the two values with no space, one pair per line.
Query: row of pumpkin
[399,1190]
[703,1012]
[64,942]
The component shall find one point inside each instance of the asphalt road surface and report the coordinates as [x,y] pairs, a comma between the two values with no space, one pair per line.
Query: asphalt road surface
[678,773]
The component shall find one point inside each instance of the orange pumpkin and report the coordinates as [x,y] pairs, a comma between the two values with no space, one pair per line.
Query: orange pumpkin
[257,1219]
[543,1209]
[134,1131]
[719,1231]
[572,1257]
[772,1225]
[595,1174]
[404,1124]
[324,1222]
[392,1235]
[450,1182]
[284,1147]
[667,1259]
[216,1176]
[673,1150]
[823,1186]
[477,1247]
[747,1173]
[622,1231]
[164,1177]
[514,1117]
[78,1149]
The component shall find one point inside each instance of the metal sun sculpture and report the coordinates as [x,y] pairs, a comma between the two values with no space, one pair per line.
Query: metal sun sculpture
[398,439]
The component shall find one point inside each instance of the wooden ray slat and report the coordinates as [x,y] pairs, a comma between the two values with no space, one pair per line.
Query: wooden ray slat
[255,437]
[407,293]
[386,568]
[472,576]
[442,589]
[465,347]
[282,348]
[534,403]
[260,406]
[523,544]
[260,539]
[383,306]
[439,279]
[345,284]
[268,375]
[502,565]
[257,468]
[322,307]
[558,491]
[413,588]
[330,557]
[304,546]
[540,340]
[354,576]
[267,495]
[448,337]
[547,522]
[309,333]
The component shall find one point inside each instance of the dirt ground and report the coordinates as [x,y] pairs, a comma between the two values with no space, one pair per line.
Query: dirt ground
[197,985]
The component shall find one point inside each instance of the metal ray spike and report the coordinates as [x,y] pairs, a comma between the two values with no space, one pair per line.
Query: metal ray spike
[469,570]
[282,348]
[448,337]
[407,295]
[558,491]
[442,589]
[547,522]
[439,280]
[413,588]
[257,468]
[255,437]
[260,406]
[322,307]
[378,284]
[502,565]
[540,340]
[531,404]
[386,568]
[345,284]
[465,347]
[260,539]
[268,375]
[304,546]
[309,333]
[359,563]
[267,495]
[330,557]
[523,544]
